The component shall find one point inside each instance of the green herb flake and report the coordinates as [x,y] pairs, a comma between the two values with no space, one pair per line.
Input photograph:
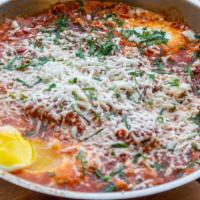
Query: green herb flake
[43,60]
[106,178]
[98,173]
[159,67]
[30,133]
[117,94]
[119,145]
[188,71]
[196,119]
[12,95]
[160,120]
[73,81]
[61,23]
[101,48]
[150,103]
[174,82]
[110,187]
[80,53]
[171,146]
[24,83]
[197,37]
[113,17]
[198,54]
[90,93]
[138,73]
[137,156]
[51,86]
[158,166]
[125,120]
[23,97]
[152,76]
[117,171]
[195,146]
[10,64]
[23,66]
[147,38]
[109,115]
[83,162]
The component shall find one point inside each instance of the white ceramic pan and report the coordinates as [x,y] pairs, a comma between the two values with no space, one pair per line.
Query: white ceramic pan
[189,10]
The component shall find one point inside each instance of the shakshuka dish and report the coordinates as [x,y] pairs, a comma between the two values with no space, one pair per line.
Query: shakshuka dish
[99,97]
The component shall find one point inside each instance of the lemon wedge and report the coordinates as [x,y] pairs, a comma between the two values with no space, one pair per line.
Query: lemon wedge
[15,152]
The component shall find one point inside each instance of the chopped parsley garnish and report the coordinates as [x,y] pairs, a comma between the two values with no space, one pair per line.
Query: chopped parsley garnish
[195,146]
[40,61]
[30,133]
[12,95]
[43,60]
[113,17]
[150,103]
[9,65]
[159,67]
[73,80]
[138,73]
[119,145]
[152,76]
[97,48]
[117,94]
[109,115]
[160,119]
[52,86]
[147,38]
[197,37]
[137,156]
[198,54]
[80,53]
[23,97]
[188,71]
[196,119]
[154,38]
[110,187]
[158,166]
[61,23]
[171,146]
[128,33]
[90,93]
[83,162]
[125,120]
[193,162]
[174,82]
[107,48]
[22,66]
[117,171]
[98,173]
[106,178]
[24,83]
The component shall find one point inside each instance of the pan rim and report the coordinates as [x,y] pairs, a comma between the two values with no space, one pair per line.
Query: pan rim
[98,196]
[101,196]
